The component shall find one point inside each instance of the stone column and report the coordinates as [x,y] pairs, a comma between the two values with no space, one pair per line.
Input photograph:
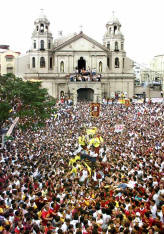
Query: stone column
[73,65]
[128,94]
[74,97]
[70,66]
[95,98]
[93,62]
[57,64]
[163,85]
[54,89]
[108,93]
[99,96]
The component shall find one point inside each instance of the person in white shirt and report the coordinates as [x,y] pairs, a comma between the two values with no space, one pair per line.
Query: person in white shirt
[160,214]
[84,175]
[99,219]
[153,208]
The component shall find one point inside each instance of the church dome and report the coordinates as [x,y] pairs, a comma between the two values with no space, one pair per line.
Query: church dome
[41,18]
[113,20]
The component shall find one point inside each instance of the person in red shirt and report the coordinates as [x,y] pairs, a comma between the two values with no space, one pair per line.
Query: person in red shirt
[45,215]
[142,209]
[19,228]
[49,227]
[52,210]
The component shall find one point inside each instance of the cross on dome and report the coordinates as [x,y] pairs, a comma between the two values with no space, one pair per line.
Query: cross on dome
[42,14]
[42,11]
[81,28]
[113,12]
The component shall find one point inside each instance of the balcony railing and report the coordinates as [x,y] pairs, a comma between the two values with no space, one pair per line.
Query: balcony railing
[84,77]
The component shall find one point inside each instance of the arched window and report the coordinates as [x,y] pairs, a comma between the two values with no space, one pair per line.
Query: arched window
[51,62]
[49,44]
[42,44]
[42,28]
[62,66]
[116,62]
[115,28]
[116,46]
[34,44]
[33,62]
[108,45]
[123,62]
[108,62]
[62,94]
[122,45]
[37,28]
[42,62]
[100,66]
[10,69]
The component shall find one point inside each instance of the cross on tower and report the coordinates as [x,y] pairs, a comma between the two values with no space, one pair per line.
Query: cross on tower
[41,10]
[81,28]
[113,14]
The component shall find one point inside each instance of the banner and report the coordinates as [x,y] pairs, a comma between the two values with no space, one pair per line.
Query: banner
[127,102]
[95,109]
[12,127]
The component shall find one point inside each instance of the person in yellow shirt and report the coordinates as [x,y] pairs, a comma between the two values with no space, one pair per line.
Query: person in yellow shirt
[91,131]
[96,141]
[88,168]
[72,161]
[77,157]
[81,141]
[73,170]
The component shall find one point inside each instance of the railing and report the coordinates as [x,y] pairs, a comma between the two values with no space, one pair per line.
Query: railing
[84,77]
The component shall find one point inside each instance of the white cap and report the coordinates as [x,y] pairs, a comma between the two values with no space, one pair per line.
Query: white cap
[137,214]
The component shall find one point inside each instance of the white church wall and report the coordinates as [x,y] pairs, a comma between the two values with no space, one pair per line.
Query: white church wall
[22,65]
[81,44]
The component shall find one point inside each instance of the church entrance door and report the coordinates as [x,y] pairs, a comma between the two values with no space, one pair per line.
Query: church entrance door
[81,64]
[85,94]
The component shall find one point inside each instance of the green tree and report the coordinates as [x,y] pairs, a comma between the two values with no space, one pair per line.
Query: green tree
[26,99]
[5,108]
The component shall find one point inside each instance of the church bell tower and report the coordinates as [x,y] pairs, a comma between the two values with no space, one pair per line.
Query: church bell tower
[114,41]
[41,56]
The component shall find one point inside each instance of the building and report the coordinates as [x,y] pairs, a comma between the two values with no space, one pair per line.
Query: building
[140,70]
[148,82]
[7,60]
[157,65]
[137,70]
[77,66]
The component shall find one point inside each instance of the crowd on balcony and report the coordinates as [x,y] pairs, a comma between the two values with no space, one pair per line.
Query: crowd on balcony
[85,75]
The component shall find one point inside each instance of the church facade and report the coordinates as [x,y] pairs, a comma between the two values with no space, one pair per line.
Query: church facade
[78,66]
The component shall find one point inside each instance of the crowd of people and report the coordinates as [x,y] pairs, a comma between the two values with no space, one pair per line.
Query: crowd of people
[54,181]
[85,75]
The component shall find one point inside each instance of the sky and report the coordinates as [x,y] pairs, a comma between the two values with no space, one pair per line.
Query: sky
[142,22]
